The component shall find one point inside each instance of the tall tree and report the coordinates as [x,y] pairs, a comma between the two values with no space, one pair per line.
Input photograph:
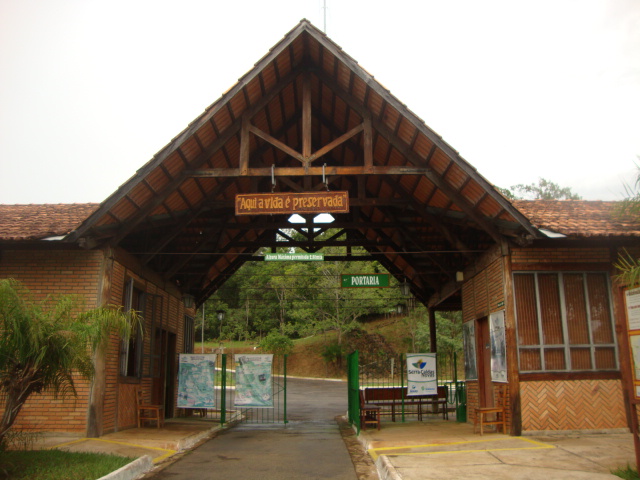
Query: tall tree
[45,344]
[629,265]
[543,190]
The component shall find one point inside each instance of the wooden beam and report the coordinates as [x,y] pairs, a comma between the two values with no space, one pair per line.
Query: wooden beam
[416,160]
[276,143]
[124,190]
[177,229]
[245,144]
[306,118]
[301,171]
[337,142]
[368,144]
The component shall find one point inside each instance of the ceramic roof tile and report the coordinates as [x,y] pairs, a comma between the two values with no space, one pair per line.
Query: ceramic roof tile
[34,222]
[581,218]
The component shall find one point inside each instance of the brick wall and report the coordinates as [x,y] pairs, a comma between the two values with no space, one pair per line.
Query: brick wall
[52,272]
[545,257]
[118,408]
[572,405]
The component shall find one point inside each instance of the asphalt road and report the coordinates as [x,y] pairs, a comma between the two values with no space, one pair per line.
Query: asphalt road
[308,447]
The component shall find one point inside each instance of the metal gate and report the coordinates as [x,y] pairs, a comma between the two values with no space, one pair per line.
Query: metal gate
[225,394]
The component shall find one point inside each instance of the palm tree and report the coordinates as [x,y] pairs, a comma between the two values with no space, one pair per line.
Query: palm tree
[44,344]
[627,265]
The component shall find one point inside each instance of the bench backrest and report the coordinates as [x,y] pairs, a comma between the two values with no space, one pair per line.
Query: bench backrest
[379,394]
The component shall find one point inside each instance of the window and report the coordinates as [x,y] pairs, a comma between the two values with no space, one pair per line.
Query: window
[564,322]
[131,348]
[189,334]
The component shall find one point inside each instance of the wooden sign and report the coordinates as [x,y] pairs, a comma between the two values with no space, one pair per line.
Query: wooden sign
[290,203]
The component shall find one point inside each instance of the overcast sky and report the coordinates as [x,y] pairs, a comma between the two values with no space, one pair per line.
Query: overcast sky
[90,90]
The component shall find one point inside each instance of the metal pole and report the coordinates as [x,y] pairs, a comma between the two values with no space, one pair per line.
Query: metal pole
[203,305]
[223,399]
[285,389]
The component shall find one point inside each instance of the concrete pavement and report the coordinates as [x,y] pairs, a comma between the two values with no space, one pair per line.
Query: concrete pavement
[431,449]
[437,449]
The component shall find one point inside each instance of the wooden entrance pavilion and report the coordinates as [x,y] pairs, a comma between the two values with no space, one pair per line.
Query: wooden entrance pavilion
[308,118]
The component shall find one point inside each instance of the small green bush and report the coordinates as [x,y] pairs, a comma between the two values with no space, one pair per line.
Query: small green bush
[332,352]
[277,343]
[628,473]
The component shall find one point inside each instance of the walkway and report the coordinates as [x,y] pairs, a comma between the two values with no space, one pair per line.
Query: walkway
[308,447]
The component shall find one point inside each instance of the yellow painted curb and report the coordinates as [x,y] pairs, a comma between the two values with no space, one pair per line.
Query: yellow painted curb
[167,453]
[373,452]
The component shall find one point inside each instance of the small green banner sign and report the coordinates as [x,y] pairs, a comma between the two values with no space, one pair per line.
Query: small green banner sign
[294,257]
[365,280]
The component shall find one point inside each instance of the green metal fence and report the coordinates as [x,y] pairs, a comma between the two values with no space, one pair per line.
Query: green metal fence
[390,371]
[225,410]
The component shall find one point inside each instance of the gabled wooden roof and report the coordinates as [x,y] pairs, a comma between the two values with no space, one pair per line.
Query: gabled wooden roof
[306,108]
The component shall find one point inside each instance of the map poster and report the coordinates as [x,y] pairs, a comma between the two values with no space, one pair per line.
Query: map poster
[632,302]
[498,338]
[196,387]
[421,374]
[253,381]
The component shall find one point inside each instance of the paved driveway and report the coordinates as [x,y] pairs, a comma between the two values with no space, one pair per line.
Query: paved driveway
[308,447]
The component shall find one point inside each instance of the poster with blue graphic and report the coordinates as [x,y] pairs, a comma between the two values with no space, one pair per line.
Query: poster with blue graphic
[421,374]
[196,388]
[253,381]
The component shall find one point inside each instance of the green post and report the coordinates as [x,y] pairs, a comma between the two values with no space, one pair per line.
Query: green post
[223,384]
[403,362]
[455,377]
[285,389]
[353,390]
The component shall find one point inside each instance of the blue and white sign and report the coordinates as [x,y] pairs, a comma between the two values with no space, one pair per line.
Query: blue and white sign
[422,378]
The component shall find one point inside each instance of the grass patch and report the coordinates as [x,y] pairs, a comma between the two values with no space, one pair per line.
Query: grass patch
[628,473]
[58,465]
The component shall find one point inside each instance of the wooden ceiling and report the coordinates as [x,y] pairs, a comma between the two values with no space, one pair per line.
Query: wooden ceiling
[307,112]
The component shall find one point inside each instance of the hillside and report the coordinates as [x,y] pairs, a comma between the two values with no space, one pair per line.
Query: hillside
[307,358]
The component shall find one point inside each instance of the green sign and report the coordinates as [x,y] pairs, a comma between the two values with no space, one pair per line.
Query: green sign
[365,280]
[294,257]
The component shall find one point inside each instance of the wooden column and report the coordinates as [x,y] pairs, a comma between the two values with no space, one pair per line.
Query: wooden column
[513,375]
[432,330]
[95,410]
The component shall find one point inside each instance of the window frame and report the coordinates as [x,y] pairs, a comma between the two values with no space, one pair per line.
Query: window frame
[126,344]
[566,346]
[189,332]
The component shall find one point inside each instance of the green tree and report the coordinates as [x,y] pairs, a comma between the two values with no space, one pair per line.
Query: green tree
[43,344]
[628,265]
[543,190]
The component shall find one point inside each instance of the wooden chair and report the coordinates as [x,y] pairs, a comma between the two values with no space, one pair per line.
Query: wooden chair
[148,412]
[369,414]
[499,411]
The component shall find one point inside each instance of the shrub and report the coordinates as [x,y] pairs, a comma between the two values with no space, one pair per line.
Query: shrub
[277,343]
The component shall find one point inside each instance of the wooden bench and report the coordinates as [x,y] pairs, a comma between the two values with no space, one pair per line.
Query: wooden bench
[388,398]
